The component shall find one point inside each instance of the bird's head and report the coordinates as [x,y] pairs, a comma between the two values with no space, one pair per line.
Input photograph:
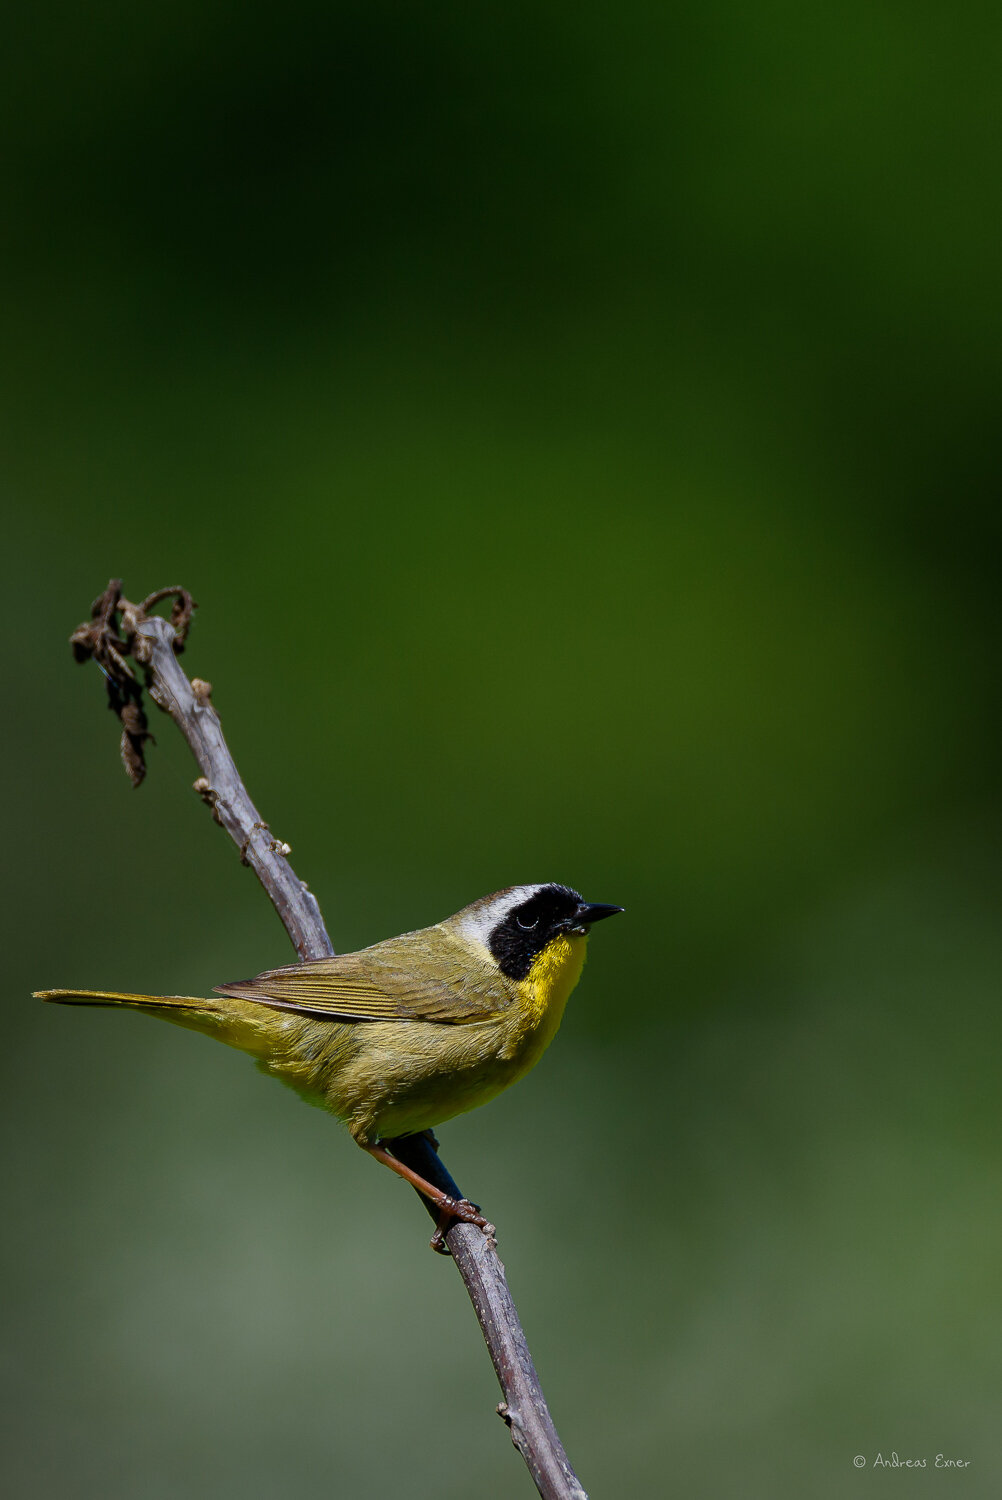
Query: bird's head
[518,924]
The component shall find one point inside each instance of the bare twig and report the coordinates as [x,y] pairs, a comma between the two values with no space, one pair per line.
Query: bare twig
[118,629]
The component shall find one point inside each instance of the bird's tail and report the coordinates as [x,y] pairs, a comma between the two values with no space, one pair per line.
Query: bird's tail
[236,1022]
[114,997]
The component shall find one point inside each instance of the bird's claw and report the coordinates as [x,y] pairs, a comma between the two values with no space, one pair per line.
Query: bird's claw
[437,1241]
[461,1209]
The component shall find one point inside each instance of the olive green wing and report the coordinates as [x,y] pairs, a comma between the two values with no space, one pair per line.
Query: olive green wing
[421,976]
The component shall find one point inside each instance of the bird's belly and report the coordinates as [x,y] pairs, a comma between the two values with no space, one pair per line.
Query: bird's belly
[387,1078]
[408,1077]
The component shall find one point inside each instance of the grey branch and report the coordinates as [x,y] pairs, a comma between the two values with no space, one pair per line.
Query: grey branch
[154,644]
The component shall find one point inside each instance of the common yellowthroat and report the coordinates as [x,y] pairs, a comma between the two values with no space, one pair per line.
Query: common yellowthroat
[398,1037]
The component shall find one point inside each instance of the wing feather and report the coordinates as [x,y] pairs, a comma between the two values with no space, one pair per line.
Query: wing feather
[421,976]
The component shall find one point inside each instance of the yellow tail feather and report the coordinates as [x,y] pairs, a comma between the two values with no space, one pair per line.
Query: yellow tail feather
[238,1023]
[113,997]
[193,1011]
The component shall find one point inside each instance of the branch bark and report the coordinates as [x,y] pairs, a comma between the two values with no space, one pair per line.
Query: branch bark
[118,629]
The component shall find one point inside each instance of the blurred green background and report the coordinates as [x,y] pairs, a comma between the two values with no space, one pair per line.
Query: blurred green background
[580,429]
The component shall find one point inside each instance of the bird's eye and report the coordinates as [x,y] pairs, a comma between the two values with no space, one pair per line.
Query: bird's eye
[527,925]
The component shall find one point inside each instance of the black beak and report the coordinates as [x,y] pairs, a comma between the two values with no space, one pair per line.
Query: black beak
[593,911]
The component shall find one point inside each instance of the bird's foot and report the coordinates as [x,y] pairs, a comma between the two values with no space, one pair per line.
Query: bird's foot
[437,1241]
[461,1209]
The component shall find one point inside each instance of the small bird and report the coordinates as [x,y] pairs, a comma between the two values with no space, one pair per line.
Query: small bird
[400,1036]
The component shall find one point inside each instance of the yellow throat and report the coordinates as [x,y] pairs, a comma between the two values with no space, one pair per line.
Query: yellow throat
[548,984]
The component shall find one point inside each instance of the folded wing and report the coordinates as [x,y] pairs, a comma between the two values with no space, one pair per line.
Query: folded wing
[403,979]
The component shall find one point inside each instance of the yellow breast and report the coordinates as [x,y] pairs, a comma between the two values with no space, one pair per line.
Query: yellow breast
[388,1078]
[545,990]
